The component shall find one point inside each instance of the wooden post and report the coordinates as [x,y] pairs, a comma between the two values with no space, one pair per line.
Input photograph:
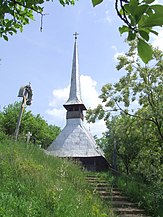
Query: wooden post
[26,93]
[115,156]
[19,118]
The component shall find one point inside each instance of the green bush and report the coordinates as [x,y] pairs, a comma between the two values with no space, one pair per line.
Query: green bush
[148,196]
[3,136]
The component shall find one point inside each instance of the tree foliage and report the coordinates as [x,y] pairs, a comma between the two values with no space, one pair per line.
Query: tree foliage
[14,14]
[139,156]
[139,17]
[132,110]
[141,87]
[42,133]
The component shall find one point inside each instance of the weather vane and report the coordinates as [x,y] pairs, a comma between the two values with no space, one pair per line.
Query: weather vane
[76,35]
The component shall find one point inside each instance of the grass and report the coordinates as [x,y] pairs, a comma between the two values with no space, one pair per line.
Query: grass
[148,197]
[36,185]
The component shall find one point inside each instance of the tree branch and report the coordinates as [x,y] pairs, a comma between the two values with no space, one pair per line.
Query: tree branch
[132,115]
[124,17]
[24,6]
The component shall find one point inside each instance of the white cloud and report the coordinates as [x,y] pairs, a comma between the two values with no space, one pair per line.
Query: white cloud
[157,2]
[96,128]
[59,96]
[89,96]
[88,85]
[107,16]
[114,47]
[56,112]
[158,40]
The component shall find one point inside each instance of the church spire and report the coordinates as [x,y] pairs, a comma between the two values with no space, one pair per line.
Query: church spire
[75,91]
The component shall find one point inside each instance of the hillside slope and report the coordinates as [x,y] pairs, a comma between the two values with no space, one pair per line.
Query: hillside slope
[33,184]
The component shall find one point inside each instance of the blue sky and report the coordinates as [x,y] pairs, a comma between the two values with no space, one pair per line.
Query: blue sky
[45,58]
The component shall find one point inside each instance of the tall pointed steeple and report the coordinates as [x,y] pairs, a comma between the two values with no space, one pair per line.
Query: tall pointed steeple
[75,141]
[75,89]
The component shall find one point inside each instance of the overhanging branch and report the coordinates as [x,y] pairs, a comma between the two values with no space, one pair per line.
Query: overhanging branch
[123,15]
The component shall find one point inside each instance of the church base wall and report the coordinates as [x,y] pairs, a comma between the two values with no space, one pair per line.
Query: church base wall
[96,164]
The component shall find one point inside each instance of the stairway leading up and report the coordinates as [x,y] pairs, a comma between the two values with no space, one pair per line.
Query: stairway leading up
[121,204]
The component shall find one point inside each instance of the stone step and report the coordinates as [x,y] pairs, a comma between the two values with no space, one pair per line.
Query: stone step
[119,198]
[100,186]
[91,178]
[96,181]
[103,188]
[105,197]
[132,215]
[95,178]
[91,175]
[115,189]
[103,193]
[116,198]
[128,210]
[115,192]
[123,204]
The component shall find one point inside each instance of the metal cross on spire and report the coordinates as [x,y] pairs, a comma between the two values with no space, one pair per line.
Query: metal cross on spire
[76,35]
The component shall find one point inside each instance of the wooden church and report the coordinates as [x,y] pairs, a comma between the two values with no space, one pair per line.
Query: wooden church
[75,141]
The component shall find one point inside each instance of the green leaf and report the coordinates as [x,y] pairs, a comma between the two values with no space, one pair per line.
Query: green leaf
[96,2]
[123,29]
[131,35]
[157,8]
[110,103]
[149,1]
[155,19]
[21,28]
[5,37]
[154,32]
[133,4]
[144,34]
[9,23]
[127,9]
[144,50]
[11,33]
[140,10]
[132,20]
